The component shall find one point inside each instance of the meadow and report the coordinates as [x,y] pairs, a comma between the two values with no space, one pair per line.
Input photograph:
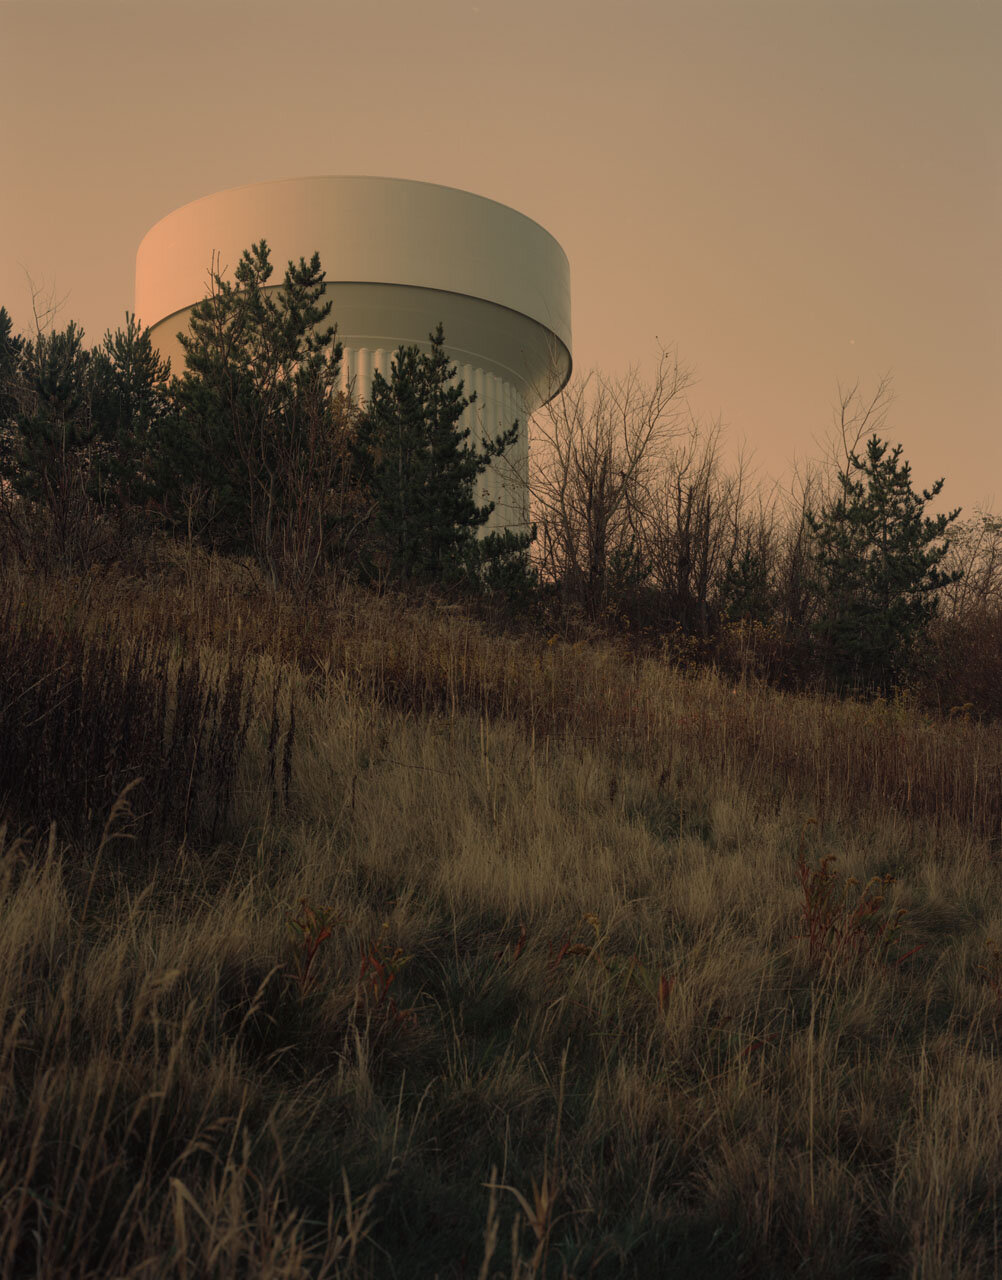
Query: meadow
[364,939]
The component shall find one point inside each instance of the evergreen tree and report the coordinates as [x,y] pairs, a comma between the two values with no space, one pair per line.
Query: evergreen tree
[745,589]
[259,414]
[87,410]
[414,461]
[875,573]
[52,418]
[45,453]
[131,401]
[11,347]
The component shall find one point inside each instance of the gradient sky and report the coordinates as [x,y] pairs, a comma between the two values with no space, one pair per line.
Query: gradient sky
[796,193]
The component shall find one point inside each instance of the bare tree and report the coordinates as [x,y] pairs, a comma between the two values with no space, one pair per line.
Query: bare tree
[596,449]
[975,546]
[44,304]
[690,527]
[791,550]
[853,418]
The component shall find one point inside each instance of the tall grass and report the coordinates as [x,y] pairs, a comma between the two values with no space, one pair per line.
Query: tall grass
[512,957]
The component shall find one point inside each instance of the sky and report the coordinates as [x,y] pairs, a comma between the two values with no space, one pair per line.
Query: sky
[796,195]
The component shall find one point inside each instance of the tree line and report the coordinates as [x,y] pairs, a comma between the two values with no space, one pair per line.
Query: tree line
[254,450]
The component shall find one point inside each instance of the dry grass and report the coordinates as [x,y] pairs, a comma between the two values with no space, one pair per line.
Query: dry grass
[540,969]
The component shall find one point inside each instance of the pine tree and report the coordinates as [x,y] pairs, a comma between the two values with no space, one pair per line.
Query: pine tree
[45,454]
[260,418]
[52,415]
[11,347]
[415,462]
[131,401]
[875,573]
[745,589]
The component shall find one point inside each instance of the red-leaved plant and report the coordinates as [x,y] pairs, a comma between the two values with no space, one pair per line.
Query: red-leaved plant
[843,923]
[377,973]
[310,928]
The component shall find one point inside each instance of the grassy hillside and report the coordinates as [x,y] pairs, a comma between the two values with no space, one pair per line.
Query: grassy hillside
[420,951]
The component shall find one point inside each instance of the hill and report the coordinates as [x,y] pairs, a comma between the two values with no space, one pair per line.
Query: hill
[367,940]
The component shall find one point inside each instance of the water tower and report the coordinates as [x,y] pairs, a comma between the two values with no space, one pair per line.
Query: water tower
[399,256]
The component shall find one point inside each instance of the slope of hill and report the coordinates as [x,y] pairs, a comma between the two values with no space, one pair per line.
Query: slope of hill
[420,951]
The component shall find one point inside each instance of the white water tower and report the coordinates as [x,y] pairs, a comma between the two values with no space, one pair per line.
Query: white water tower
[399,257]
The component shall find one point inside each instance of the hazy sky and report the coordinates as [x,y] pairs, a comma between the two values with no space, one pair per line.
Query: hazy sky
[797,193]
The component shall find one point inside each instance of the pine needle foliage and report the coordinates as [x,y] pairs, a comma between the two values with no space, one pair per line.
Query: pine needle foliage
[76,426]
[260,414]
[46,447]
[417,465]
[131,402]
[876,571]
[48,394]
[11,346]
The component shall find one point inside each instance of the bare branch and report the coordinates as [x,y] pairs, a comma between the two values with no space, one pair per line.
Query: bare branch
[44,307]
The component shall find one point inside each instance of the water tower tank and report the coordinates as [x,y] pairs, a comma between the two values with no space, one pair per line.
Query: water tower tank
[399,256]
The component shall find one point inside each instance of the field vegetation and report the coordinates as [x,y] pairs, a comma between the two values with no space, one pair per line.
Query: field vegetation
[414,907]
[449,952]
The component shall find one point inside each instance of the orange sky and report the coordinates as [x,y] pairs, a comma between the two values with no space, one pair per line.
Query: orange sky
[795,192]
